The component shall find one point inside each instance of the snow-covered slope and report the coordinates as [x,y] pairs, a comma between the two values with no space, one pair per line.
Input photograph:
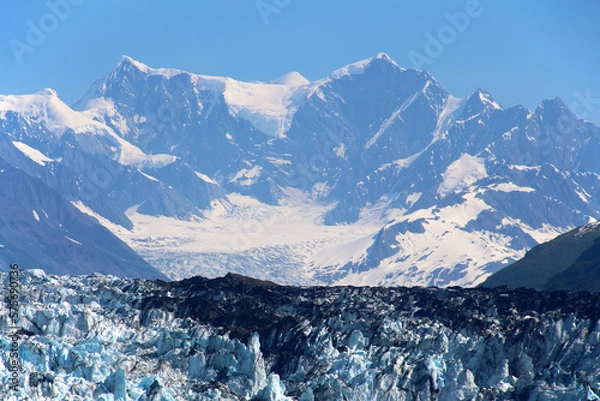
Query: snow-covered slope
[234,338]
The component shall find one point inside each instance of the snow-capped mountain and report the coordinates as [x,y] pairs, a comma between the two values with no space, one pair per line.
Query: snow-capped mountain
[233,338]
[88,162]
[374,175]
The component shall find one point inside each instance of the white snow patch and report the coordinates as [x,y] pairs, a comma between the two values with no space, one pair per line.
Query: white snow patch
[540,235]
[291,79]
[115,228]
[461,214]
[320,189]
[587,228]
[32,153]
[583,195]
[525,168]
[278,162]
[486,99]
[148,176]
[247,177]
[72,240]
[268,107]
[100,109]
[133,156]
[451,104]
[341,254]
[432,257]
[461,174]
[510,187]
[206,178]
[387,123]
[340,151]
[400,163]
[413,198]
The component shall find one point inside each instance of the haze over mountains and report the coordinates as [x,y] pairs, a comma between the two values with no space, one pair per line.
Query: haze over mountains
[375,175]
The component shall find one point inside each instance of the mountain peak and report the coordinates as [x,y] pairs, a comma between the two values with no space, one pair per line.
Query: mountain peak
[485,98]
[383,56]
[49,92]
[360,67]
[129,62]
[556,103]
[291,79]
[554,108]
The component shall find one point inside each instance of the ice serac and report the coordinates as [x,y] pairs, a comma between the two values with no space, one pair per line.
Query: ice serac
[235,338]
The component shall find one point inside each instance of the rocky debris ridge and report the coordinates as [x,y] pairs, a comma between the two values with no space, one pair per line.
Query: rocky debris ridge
[235,338]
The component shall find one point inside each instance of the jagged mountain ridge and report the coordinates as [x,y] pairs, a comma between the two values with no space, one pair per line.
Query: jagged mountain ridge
[235,338]
[86,161]
[432,190]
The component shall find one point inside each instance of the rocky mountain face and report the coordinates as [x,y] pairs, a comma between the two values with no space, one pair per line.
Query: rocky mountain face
[375,175]
[41,228]
[570,262]
[235,338]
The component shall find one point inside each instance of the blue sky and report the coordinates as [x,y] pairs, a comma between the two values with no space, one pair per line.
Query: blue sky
[519,51]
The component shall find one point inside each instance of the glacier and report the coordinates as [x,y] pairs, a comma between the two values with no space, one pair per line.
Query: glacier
[235,338]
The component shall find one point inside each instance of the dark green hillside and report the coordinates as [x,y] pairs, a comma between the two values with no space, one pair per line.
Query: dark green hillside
[583,275]
[542,266]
